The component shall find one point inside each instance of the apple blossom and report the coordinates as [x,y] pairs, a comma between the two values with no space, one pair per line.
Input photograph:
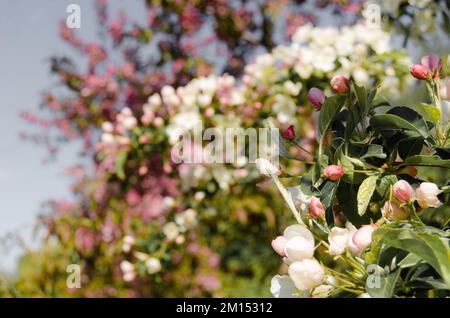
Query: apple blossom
[316,97]
[403,191]
[298,230]
[354,250]
[316,208]
[299,248]
[265,167]
[333,172]
[363,236]
[292,88]
[279,245]
[337,239]
[289,133]
[393,211]
[170,230]
[153,265]
[306,274]
[340,84]
[282,286]
[128,242]
[427,194]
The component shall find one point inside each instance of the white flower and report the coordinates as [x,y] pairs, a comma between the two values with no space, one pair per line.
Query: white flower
[350,245]
[126,267]
[129,122]
[187,219]
[153,265]
[108,139]
[338,239]
[299,243]
[282,286]
[291,88]
[170,230]
[427,194]
[265,167]
[284,107]
[361,77]
[107,127]
[297,230]
[154,101]
[306,274]
[299,248]
[128,242]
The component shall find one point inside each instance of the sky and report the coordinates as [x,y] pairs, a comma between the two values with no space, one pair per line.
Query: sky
[29,35]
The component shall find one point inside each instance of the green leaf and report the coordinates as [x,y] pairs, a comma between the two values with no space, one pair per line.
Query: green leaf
[428,246]
[374,151]
[410,147]
[121,159]
[424,160]
[428,112]
[329,110]
[384,183]
[365,193]
[393,122]
[384,286]
[409,261]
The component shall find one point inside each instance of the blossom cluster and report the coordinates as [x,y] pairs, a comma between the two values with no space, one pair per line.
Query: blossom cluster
[397,193]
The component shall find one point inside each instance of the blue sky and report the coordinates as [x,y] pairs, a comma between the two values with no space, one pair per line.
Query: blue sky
[28,36]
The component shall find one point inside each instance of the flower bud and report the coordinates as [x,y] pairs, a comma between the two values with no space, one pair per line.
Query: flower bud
[403,191]
[392,211]
[337,239]
[316,208]
[427,195]
[419,71]
[333,172]
[265,167]
[289,133]
[306,274]
[279,245]
[299,248]
[316,97]
[363,237]
[340,84]
[432,63]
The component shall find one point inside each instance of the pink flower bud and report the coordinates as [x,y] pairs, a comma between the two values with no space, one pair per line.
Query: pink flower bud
[289,133]
[427,195]
[316,97]
[340,84]
[333,172]
[316,208]
[278,245]
[432,63]
[393,212]
[403,191]
[363,237]
[419,71]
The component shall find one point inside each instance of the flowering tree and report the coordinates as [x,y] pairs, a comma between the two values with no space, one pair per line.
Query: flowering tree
[373,210]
